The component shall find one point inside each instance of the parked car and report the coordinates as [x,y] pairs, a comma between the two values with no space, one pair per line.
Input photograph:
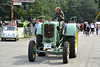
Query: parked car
[9,32]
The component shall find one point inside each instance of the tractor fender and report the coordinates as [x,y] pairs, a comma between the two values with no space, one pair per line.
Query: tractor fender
[70,29]
[39,29]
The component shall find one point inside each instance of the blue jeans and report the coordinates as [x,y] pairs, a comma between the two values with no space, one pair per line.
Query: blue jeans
[97,31]
[35,31]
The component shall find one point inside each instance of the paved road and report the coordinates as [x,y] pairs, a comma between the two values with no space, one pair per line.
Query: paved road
[14,54]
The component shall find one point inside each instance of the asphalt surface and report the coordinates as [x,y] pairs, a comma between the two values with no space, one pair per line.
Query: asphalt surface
[15,54]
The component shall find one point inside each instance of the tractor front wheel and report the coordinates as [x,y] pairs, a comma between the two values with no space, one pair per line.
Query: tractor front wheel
[31,52]
[66,52]
[40,45]
[15,39]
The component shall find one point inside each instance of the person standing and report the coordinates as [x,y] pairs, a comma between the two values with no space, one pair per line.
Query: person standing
[34,22]
[85,24]
[36,26]
[97,28]
[92,28]
[87,30]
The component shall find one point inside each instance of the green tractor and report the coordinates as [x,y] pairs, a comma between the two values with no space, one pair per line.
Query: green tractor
[53,37]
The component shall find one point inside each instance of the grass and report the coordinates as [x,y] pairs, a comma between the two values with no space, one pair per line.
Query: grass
[25,36]
[33,35]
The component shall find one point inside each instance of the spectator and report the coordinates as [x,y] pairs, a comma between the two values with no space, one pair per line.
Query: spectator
[92,28]
[34,22]
[81,27]
[36,26]
[87,29]
[97,28]
[85,24]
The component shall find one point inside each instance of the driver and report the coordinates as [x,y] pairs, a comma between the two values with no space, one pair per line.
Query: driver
[59,14]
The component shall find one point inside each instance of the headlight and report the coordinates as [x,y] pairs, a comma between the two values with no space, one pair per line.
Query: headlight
[14,35]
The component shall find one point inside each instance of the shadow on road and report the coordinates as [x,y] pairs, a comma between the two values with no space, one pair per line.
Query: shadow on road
[95,58]
[8,41]
[50,60]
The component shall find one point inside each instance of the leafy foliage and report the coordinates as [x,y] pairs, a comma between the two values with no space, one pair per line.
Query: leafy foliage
[5,9]
[85,10]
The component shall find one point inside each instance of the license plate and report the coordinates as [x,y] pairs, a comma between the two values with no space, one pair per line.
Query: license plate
[47,45]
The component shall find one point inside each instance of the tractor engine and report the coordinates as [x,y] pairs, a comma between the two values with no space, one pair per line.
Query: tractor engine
[48,34]
[48,30]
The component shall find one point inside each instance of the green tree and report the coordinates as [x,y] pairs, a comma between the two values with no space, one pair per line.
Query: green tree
[19,12]
[5,9]
[87,10]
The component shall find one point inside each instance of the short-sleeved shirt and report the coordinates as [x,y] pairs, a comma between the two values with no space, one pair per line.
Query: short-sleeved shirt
[57,16]
[92,26]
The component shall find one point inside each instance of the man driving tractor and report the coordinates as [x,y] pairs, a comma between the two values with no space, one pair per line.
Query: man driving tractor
[59,15]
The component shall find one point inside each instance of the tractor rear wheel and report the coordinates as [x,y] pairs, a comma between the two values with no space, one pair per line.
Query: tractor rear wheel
[66,52]
[39,45]
[72,47]
[31,52]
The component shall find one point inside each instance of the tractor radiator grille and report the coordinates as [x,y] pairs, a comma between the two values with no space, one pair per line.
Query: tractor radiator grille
[48,30]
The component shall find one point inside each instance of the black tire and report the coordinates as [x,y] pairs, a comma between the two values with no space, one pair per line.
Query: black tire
[72,47]
[65,53]
[15,39]
[4,39]
[31,53]
[39,44]
[1,39]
